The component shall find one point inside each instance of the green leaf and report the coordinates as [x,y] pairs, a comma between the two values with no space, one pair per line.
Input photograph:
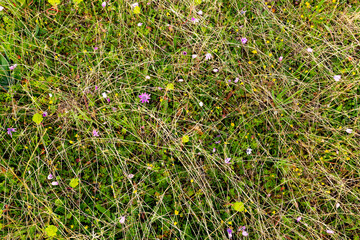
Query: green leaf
[51,230]
[197,2]
[170,86]
[74,182]
[54,2]
[185,139]
[238,206]
[137,10]
[77,2]
[37,118]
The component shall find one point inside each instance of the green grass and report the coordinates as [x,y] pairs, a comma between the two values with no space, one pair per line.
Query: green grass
[292,114]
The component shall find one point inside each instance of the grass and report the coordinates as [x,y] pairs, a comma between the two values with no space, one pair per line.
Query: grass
[157,170]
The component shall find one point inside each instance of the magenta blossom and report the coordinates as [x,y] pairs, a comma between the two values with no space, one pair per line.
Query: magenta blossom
[10,131]
[229,232]
[244,40]
[44,114]
[13,67]
[50,176]
[280,58]
[95,133]
[227,160]
[298,219]
[144,98]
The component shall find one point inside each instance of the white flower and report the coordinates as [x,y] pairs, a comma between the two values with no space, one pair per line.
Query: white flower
[181,80]
[134,5]
[147,77]
[104,95]
[54,183]
[236,80]
[337,78]
[103,4]
[140,24]
[194,56]
[215,70]
[337,205]
[50,176]
[50,95]
[248,151]
[1,8]
[309,50]
[200,12]
[13,67]
[122,219]
[201,104]
[208,56]
[349,130]
[131,176]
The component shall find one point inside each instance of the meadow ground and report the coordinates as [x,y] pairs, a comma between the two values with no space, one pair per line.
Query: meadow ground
[190,119]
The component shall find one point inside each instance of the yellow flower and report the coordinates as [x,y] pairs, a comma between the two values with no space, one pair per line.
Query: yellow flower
[176,212]
[254,51]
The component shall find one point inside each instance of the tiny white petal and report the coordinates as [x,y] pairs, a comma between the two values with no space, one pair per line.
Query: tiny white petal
[1,8]
[349,130]
[103,4]
[140,24]
[215,70]
[309,50]
[134,5]
[54,183]
[201,104]
[147,77]
[181,80]
[104,95]
[122,220]
[50,176]
[200,12]
[194,56]
[50,95]
[337,205]
[337,78]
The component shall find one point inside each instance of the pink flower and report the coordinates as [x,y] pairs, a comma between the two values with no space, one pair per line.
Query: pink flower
[298,219]
[330,231]
[236,80]
[310,50]
[96,48]
[130,176]
[10,131]
[95,133]
[54,183]
[245,233]
[13,67]
[208,56]
[50,176]
[44,114]
[280,58]
[103,4]
[144,98]
[244,40]
[122,219]
[227,160]
[337,78]
[195,20]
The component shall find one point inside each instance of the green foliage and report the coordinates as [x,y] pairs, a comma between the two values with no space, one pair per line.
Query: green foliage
[51,230]
[238,206]
[37,118]
[54,3]
[74,182]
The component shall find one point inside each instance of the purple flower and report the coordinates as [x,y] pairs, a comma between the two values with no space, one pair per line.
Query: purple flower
[242,229]
[236,80]
[245,233]
[214,150]
[195,20]
[96,87]
[310,50]
[248,151]
[144,97]
[10,131]
[227,160]
[95,133]
[184,53]
[50,176]
[244,40]
[298,219]
[13,67]
[108,99]
[229,232]
[96,48]
[44,114]
[217,142]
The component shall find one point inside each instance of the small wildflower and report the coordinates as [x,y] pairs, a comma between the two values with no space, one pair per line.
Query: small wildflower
[229,232]
[194,56]
[95,133]
[200,12]
[248,151]
[214,150]
[147,77]
[337,78]
[44,114]
[144,98]
[208,56]
[13,67]
[134,5]
[10,131]
[54,183]
[103,4]
[242,12]
[244,40]
[50,95]
[217,142]
[176,212]
[122,219]
[330,231]
[201,104]
[215,70]
[50,176]
[310,50]
[96,48]
[104,95]
[140,24]
[184,53]
[108,99]
[298,219]
[227,160]
[280,58]
[181,80]
[1,8]
[337,205]
[236,80]
[349,130]
[245,233]
[195,20]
